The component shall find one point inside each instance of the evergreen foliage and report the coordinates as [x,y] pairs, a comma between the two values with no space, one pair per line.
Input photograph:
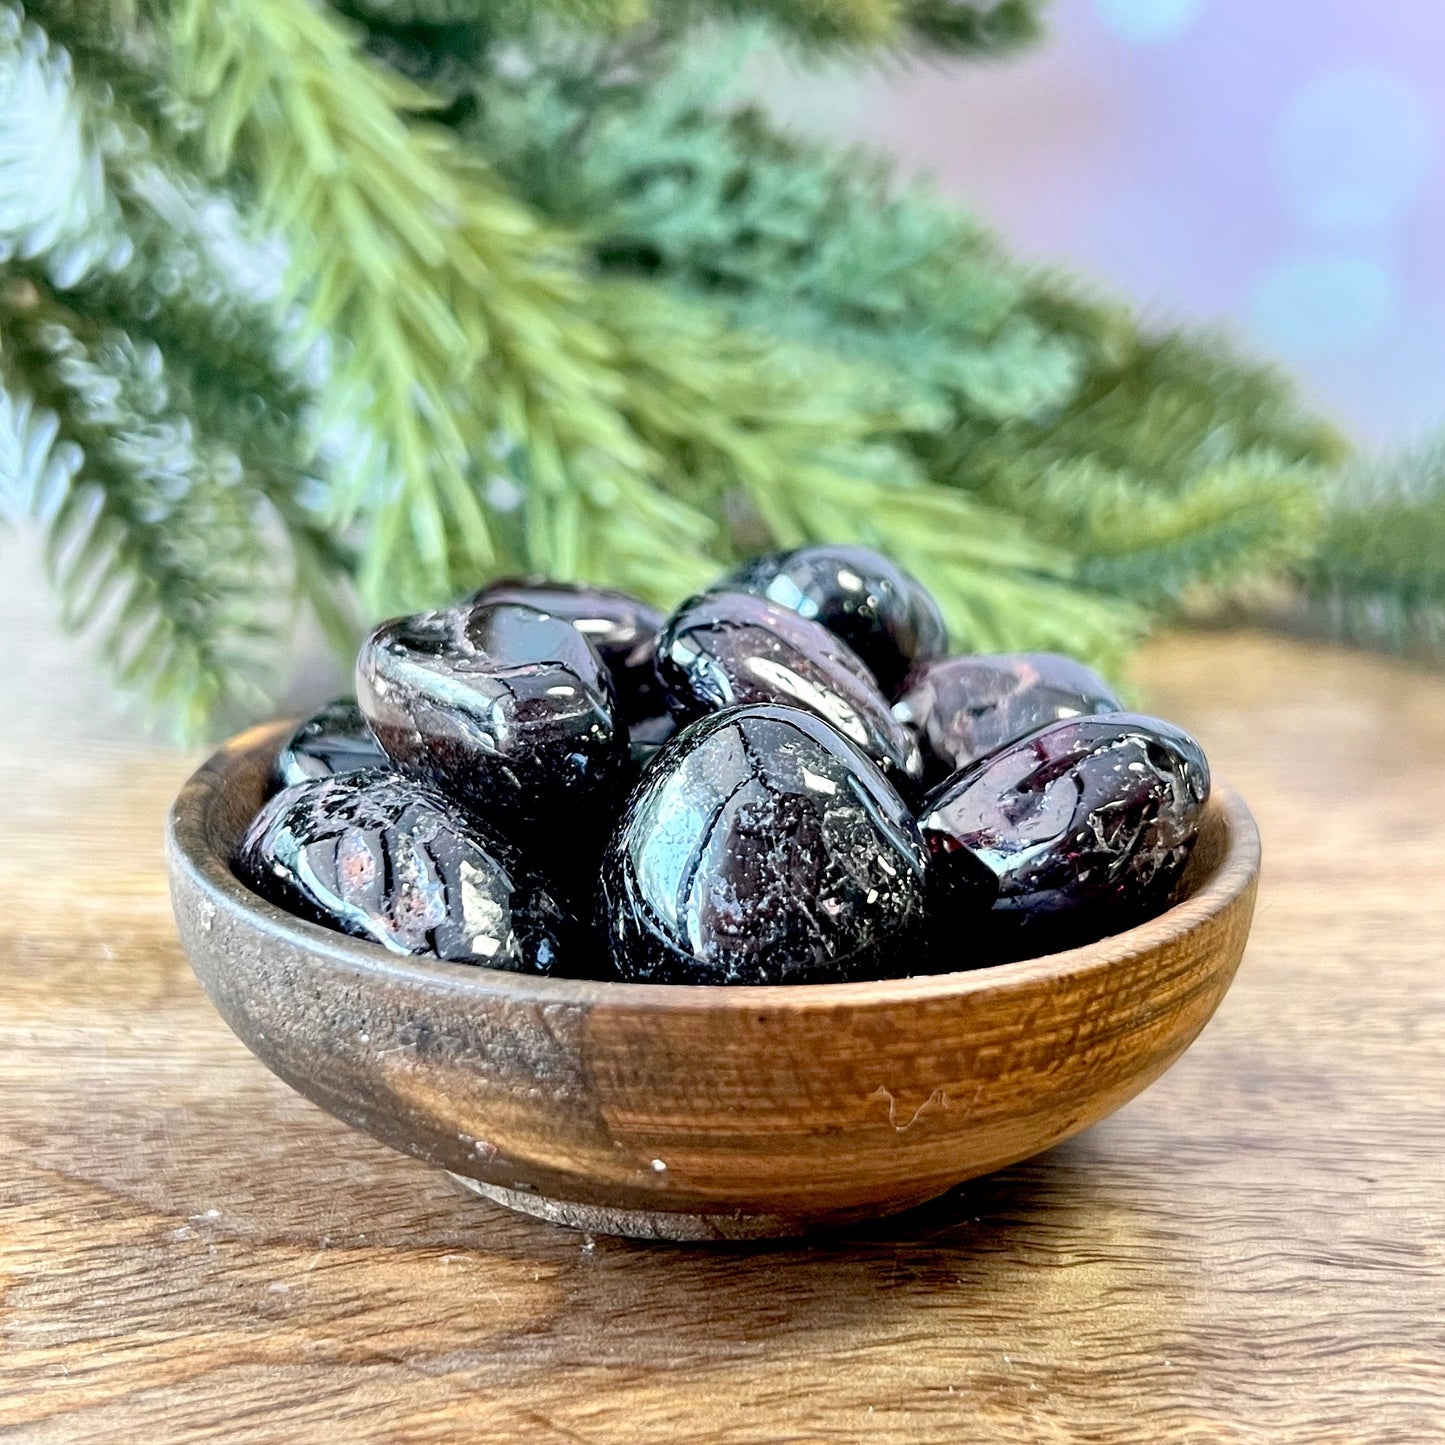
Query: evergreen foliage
[1378,575]
[147,520]
[979,27]
[400,293]
[156,422]
[1161,462]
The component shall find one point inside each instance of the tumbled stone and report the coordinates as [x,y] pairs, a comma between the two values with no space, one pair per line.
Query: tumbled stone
[886,616]
[374,855]
[728,648]
[962,708]
[623,629]
[1080,829]
[761,847]
[334,739]
[503,708]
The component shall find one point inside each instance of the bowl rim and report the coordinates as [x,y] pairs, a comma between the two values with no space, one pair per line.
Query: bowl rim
[189,848]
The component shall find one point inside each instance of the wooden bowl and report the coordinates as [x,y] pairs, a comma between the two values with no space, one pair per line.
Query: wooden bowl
[696,1112]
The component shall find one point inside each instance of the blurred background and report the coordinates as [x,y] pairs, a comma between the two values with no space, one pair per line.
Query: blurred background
[1276,165]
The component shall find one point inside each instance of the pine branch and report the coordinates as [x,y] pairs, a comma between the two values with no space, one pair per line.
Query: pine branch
[1164,463]
[1000,588]
[463,319]
[1378,575]
[602,16]
[154,257]
[152,536]
[854,24]
[1170,407]
[1245,518]
[607,388]
[243,380]
[595,430]
[53,197]
[598,319]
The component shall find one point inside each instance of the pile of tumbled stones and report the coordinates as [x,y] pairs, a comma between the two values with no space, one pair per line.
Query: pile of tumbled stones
[786,781]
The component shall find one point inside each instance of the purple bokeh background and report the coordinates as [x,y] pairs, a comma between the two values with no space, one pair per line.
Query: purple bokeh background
[1278,165]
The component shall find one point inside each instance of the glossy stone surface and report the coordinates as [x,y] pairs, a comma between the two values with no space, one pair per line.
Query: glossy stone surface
[503,708]
[886,616]
[1084,828]
[962,708]
[761,847]
[623,629]
[372,854]
[333,740]
[728,648]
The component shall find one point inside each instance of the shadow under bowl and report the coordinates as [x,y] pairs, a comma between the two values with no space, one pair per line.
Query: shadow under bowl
[701,1112]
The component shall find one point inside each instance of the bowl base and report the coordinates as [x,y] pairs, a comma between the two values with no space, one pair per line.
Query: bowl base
[671,1224]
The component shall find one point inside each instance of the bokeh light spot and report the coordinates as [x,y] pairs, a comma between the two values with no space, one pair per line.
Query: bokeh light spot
[1147,22]
[1352,148]
[1321,304]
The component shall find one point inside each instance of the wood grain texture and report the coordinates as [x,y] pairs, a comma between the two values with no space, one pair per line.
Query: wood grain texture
[1254,1249]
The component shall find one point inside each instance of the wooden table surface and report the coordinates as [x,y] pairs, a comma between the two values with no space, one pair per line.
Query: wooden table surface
[1254,1249]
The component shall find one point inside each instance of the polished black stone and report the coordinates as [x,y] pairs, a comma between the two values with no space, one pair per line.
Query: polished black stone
[727,648]
[623,629]
[762,847]
[334,740]
[1084,828]
[962,708]
[886,616]
[505,709]
[374,855]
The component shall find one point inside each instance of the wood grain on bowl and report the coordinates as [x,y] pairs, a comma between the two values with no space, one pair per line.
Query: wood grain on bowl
[689,1111]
